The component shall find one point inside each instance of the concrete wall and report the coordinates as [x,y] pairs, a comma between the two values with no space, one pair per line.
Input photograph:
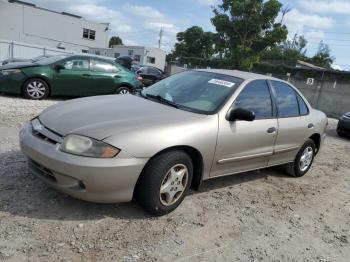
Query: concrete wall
[331,97]
[40,26]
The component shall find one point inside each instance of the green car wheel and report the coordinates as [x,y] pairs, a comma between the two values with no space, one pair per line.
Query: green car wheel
[36,88]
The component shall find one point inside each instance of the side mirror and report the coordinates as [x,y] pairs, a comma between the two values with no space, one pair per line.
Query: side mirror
[58,67]
[240,114]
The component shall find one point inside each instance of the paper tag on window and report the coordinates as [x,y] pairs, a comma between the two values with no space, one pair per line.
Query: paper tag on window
[221,82]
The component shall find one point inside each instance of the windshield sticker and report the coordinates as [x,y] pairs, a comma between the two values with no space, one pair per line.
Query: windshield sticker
[221,82]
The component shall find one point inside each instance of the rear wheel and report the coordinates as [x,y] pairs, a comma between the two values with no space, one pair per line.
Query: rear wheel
[165,182]
[123,90]
[303,160]
[35,88]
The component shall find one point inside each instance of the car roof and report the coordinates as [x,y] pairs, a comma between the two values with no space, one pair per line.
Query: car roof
[240,74]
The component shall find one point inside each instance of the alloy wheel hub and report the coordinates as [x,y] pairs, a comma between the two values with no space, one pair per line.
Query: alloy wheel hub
[173,185]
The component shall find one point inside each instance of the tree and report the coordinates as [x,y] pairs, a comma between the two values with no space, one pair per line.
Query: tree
[115,40]
[287,52]
[194,42]
[323,56]
[247,27]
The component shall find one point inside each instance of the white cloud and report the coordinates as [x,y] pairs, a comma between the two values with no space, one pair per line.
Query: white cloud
[330,6]
[296,21]
[315,35]
[145,11]
[207,2]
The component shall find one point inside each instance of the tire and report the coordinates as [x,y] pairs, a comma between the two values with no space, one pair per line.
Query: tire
[303,161]
[123,90]
[341,133]
[171,173]
[36,89]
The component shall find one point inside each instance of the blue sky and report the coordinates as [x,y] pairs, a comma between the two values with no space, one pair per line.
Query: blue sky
[138,22]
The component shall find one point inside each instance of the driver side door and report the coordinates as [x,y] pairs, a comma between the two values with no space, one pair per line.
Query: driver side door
[244,145]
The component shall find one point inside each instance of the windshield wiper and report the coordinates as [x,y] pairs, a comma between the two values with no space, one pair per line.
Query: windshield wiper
[162,100]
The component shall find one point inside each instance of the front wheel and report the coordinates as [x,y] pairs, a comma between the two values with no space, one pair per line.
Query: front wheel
[36,89]
[303,160]
[165,182]
[123,90]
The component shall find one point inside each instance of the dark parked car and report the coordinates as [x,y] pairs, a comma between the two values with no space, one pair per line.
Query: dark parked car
[68,75]
[21,60]
[343,128]
[150,75]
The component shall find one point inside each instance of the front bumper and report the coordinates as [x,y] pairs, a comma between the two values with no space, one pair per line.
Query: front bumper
[92,179]
[344,126]
[11,83]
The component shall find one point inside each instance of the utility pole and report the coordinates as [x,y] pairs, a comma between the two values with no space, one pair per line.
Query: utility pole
[160,37]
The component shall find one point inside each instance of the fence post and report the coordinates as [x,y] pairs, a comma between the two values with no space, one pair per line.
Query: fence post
[44,50]
[11,50]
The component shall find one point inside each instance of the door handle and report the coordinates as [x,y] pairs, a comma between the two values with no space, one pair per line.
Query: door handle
[271,130]
[86,75]
[311,125]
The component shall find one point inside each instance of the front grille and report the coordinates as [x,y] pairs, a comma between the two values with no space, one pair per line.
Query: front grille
[40,131]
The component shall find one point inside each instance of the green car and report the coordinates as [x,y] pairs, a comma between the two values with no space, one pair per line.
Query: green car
[68,75]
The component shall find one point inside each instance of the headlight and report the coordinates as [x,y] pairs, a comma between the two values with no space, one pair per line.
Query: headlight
[85,146]
[10,71]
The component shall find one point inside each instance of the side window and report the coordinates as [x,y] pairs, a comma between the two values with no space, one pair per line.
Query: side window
[102,66]
[153,71]
[256,97]
[287,102]
[302,106]
[77,64]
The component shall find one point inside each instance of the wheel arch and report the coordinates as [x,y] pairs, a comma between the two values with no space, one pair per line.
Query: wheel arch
[197,161]
[316,137]
[43,78]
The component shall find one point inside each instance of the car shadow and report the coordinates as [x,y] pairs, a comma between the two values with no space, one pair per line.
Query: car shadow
[23,194]
[332,132]
[52,98]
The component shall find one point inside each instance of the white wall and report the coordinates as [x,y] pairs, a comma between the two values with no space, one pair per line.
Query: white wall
[47,28]
[142,51]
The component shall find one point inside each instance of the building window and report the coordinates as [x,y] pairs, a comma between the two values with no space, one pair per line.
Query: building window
[97,52]
[89,34]
[151,60]
[137,58]
[116,55]
[84,51]
[130,52]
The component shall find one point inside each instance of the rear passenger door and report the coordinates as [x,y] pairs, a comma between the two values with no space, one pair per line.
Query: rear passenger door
[105,77]
[294,125]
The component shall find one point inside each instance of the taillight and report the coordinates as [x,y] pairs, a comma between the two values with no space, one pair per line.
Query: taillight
[139,78]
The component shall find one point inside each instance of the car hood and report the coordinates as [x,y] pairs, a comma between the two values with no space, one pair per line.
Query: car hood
[17,65]
[103,116]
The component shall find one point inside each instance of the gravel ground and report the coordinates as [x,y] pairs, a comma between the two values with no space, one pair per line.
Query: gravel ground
[256,216]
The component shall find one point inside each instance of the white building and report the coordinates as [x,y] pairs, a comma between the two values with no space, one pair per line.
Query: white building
[25,22]
[150,56]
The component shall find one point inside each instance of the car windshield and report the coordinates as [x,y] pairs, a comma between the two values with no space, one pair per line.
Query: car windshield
[196,91]
[50,60]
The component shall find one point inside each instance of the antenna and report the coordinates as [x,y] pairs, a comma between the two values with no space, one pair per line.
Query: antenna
[160,37]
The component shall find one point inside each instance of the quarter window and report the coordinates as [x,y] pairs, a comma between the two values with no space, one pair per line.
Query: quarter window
[77,64]
[256,97]
[103,66]
[286,98]
[303,110]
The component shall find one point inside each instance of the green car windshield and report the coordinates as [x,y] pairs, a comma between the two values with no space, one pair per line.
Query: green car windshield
[196,91]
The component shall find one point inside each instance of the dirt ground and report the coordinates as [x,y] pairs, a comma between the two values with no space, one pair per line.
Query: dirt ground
[256,216]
